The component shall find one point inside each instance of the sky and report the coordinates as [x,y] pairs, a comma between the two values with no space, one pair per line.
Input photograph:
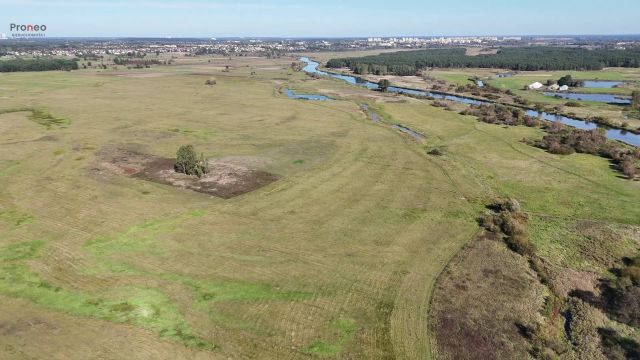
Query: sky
[322,18]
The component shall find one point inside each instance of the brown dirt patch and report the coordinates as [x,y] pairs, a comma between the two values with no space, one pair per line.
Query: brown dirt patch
[226,179]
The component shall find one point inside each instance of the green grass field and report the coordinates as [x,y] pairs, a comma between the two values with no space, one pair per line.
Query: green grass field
[337,259]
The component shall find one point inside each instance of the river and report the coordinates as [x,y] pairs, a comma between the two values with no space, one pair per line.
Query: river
[611,133]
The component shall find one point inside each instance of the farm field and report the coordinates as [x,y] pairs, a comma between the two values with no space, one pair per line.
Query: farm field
[338,257]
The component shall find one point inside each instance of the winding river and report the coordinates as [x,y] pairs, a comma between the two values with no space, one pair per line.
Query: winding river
[611,133]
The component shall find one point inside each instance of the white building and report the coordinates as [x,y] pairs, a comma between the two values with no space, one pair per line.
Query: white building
[554,87]
[564,88]
[535,86]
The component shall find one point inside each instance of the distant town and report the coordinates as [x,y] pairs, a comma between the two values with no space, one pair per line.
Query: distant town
[81,47]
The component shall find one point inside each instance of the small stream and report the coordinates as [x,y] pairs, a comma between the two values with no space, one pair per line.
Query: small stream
[611,133]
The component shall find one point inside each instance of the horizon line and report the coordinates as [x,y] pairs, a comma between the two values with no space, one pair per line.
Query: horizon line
[314,36]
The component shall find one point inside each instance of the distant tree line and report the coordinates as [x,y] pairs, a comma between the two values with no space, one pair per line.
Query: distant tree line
[138,62]
[41,64]
[524,59]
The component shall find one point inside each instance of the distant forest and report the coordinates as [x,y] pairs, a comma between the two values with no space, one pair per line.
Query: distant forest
[15,65]
[525,58]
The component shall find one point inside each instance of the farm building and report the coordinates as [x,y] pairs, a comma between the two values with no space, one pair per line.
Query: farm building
[535,86]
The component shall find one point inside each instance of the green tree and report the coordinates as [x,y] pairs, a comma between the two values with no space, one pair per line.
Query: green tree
[187,162]
[384,84]
[566,80]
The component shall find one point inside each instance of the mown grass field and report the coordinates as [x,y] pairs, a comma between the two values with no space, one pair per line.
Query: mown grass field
[337,259]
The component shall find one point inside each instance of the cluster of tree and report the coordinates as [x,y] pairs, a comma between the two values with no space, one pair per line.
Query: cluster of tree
[187,162]
[40,64]
[500,114]
[383,85]
[206,50]
[297,66]
[523,58]
[138,63]
[567,80]
[90,64]
[565,140]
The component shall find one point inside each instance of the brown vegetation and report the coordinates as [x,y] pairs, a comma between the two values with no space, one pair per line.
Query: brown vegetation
[500,114]
[481,299]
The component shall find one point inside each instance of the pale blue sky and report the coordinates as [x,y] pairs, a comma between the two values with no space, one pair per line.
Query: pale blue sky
[285,18]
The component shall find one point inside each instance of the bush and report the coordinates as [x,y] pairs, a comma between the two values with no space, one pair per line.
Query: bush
[210,82]
[617,347]
[628,167]
[384,84]
[531,121]
[188,163]
[508,219]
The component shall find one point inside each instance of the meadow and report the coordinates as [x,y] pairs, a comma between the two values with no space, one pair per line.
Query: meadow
[336,259]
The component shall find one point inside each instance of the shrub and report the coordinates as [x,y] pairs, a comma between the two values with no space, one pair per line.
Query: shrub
[188,163]
[384,84]
[508,219]
[628,167]
[617,347]
[582,326]
[531,121]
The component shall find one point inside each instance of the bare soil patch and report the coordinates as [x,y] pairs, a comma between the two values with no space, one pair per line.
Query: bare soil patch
[227,177]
